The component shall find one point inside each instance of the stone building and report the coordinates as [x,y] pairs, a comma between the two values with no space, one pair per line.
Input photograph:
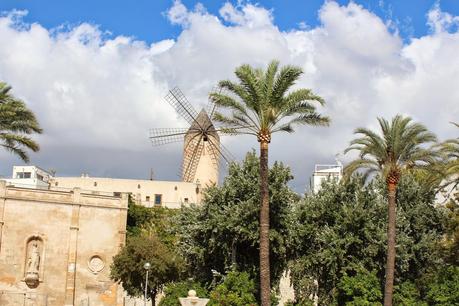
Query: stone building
[149,193]
[56,246]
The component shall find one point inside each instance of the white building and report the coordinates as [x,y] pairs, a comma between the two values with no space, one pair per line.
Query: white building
[29,177]
[325,173]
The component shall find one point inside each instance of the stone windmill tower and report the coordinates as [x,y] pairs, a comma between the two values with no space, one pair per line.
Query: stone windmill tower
[202,150]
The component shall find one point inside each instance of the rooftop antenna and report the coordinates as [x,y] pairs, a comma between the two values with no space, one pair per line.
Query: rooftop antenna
[201,139]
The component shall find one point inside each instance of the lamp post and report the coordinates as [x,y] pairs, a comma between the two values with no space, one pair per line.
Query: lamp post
[147,267]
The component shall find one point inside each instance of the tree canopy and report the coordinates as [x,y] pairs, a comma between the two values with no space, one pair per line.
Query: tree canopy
[222,233]
[341,232]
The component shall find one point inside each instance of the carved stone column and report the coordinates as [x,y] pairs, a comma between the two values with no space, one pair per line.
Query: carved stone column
[73,248]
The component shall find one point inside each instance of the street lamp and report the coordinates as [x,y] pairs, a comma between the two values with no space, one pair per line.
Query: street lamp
[147,267]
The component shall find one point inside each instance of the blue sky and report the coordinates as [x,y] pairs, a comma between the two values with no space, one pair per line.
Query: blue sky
[145,19]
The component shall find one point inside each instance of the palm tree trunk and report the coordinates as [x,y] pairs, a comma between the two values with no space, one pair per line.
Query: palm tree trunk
[265,286]
[390,263]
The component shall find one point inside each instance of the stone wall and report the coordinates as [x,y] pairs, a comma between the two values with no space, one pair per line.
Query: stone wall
[56,247]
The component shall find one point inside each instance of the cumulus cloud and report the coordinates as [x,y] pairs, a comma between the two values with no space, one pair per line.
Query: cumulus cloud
[96,96]
[248,15]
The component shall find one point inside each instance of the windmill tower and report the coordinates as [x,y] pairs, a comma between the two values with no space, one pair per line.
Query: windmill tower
[207,169]
[202,150]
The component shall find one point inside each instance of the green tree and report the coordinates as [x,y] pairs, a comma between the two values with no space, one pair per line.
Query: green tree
[174,291]
[341,230]
[407,294]
[237,289]
[335,231]
[221,233]
[157,220]
[360,289]
[443,289]
[128,266]
[399,148]
[261,105]
[16,122]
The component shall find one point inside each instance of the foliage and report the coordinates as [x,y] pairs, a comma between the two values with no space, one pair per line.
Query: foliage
[157,220]
[342,228]
[138,217]
[408,294]
[173,291]
[363,288]
[237,289]
[443,289]
[261,104]
[450,149]
[399,148]
[128,265]
[224,230]
[450,244]
[16,122]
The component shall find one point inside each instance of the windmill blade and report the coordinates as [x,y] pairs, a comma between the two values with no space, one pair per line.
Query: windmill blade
[190,162]
[161,136]
[222,151]
[214,152]
[179,102]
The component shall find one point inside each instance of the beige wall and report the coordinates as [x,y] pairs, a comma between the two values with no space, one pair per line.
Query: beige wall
[73,227]
[174,194]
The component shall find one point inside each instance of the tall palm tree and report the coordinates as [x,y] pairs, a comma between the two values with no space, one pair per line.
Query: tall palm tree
[399,148]
[261,105]
[16,122]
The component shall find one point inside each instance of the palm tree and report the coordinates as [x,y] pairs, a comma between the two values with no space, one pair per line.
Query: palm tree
[451,150]
[261,105]
[399,148]
[16,122]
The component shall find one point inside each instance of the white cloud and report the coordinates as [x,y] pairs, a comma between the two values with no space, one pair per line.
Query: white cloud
[440,21]
[178,13]
[248,15]
[99,96]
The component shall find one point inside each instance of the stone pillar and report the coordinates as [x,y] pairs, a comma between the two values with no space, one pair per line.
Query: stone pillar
[2,209]
[73,248]
[123,220]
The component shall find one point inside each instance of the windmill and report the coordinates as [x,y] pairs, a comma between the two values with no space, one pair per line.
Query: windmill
[202,150]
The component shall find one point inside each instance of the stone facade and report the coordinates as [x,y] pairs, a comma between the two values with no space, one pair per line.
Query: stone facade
[148,193]
[56,247]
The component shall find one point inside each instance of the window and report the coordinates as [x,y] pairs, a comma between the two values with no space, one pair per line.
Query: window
[147,198]
[40,177]
[175,188]
[158,199]
[138,186]
[117,194]
[186,200]
[95,184]
[23,175]
[56,184]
